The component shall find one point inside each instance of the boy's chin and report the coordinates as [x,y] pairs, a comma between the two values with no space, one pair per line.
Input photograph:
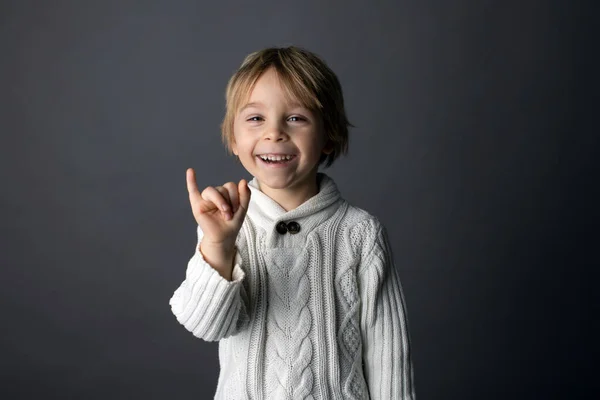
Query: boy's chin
[275,182]
[281,182]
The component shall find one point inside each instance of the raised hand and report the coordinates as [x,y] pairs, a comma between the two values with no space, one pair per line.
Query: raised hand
[220,212]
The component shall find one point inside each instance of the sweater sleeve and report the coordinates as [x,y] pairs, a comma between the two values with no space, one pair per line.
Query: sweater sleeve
[387,363]
[208,305]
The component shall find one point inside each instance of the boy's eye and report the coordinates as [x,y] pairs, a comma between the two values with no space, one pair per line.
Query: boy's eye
[254,119]
[296,118]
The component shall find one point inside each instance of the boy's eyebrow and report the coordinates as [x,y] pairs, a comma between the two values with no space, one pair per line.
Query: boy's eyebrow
[259,104]
[253,104]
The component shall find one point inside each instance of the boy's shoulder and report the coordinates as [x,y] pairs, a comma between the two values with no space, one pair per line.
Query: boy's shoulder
[361,230]
[360,224]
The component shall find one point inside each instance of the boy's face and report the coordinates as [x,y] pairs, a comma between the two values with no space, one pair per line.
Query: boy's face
[273,127]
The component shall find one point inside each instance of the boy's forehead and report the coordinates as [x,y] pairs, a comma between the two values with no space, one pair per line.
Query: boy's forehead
[271,85]
[262,99]
[268,84]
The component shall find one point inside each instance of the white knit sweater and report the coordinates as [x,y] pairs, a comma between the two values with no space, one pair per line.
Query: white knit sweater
[317,314]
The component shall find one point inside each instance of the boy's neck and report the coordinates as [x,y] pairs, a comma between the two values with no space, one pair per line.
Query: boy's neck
[291,198]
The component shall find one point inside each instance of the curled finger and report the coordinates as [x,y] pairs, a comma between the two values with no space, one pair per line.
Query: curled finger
[232,191]
[214,195]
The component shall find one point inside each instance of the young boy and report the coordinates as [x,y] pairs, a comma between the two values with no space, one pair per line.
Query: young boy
[298,286]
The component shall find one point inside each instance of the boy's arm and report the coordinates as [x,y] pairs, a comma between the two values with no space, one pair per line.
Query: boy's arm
[387,362]
[207,304]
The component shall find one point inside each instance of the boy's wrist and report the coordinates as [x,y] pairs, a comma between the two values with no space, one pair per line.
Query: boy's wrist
[222,247]
[220,256]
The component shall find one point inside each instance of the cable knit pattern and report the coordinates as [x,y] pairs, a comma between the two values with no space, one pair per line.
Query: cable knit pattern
[316,315]
[288,327]
[349,336]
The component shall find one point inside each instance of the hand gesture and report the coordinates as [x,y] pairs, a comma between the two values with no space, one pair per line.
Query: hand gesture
[220,210]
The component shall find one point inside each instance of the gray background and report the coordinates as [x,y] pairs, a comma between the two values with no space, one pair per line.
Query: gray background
[474,144]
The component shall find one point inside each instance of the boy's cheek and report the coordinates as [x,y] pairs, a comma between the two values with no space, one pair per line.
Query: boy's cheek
[234,146]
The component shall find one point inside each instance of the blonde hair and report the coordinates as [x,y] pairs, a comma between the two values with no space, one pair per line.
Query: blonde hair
[306,78]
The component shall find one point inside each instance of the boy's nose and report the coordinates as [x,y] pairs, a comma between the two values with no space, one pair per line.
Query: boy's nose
[275,134]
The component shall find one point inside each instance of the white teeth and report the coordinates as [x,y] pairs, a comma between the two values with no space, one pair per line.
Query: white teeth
[275,158]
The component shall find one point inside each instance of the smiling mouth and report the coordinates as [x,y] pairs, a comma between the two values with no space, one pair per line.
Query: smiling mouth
[276,158]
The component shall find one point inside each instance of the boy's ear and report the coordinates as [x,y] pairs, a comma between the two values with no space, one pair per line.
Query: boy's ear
[234,147]
[328,149]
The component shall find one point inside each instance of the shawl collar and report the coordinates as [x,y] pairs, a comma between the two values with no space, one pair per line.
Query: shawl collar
[266,213]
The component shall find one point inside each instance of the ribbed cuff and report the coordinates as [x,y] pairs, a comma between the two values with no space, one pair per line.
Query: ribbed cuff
[204,293]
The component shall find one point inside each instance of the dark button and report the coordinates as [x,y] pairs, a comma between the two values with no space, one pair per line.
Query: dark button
[293,227]
[281,228]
